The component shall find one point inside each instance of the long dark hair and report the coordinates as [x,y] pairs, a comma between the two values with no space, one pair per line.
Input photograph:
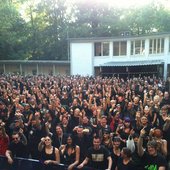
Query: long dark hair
[73,145]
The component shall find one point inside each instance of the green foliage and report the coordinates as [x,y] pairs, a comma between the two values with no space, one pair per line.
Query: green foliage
[41,31]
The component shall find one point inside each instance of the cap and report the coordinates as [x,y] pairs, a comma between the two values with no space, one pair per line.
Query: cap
[65,107]
[106,130]
[127,119]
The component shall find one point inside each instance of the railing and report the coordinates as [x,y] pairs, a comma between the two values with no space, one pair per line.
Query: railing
[32,164]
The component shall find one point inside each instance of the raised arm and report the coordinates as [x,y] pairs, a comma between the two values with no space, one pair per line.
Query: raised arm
[140,143]
[22,137]
[41,145]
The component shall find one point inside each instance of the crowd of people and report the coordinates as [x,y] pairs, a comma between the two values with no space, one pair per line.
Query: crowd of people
[98,122]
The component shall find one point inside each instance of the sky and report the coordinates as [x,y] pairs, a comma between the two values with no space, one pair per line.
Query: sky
[112,3]
[126,3]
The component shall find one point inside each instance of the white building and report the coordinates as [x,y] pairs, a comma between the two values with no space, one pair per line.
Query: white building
[123,55]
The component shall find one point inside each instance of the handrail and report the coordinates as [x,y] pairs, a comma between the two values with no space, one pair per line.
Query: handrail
[32,164]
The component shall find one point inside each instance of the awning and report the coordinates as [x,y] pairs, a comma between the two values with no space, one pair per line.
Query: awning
[132,63]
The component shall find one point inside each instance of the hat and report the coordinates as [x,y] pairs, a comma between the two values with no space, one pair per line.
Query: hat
[127,119]
[116,139]
[152,144]
[65,107]
[106,130]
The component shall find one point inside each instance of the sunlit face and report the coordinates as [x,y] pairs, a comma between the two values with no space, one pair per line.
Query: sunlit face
[136,100]
[146,111]
[47,141]
[166,95]
[144,120]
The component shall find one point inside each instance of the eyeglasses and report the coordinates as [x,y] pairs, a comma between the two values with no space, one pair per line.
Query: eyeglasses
[15,138]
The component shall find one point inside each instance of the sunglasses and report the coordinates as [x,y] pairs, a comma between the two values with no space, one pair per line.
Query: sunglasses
[15,138]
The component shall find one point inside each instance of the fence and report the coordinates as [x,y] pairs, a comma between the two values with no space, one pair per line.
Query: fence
[31,164]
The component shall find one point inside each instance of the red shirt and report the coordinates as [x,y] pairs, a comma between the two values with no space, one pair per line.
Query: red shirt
[4,142]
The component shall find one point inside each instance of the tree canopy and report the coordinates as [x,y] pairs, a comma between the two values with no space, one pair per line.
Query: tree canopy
[39,30]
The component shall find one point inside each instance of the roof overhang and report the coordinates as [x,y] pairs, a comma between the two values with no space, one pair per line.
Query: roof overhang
[132,63]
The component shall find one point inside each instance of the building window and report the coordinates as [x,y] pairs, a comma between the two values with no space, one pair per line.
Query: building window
[101,49]
[156,46]
[137,47]
[119,48]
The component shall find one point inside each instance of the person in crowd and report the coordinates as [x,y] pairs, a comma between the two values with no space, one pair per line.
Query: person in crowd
[3,111]
[157,135]
[107,139]
[166,101]
[36,131]
[70,153]
[116,150]
[150,158]
[49,154]
[125,160]
[98,157]
[103,126]
[4,139]
[17,147]
[124,129]
[83,99]
[83,139]
[59,137]
[166,136]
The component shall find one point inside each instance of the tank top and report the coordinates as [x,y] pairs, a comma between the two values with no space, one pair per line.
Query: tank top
[68,159]
[45,156]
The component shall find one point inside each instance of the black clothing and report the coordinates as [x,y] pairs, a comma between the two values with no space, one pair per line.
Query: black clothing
[66,158]
[114,160]
[84,142]
[98,158]
[45,156]
[34,137]
[58,141]
[153,162]
[122,166]
[18,150]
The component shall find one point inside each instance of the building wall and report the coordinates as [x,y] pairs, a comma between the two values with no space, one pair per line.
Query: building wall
[84,59]
[34,68]
[81,59]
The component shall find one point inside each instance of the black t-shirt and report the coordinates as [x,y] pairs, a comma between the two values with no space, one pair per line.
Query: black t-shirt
[98,158]
[122,166]
[153,162]
[18,150]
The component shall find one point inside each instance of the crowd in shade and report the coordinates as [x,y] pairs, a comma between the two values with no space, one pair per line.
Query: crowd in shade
[97,122]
